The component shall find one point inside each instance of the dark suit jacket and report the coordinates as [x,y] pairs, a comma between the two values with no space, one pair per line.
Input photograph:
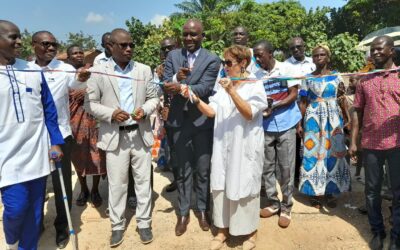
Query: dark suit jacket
[201,80]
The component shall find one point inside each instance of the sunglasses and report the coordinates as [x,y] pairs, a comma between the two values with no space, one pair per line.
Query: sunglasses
[125,45]
[169,47]
[46,44]
[228,63]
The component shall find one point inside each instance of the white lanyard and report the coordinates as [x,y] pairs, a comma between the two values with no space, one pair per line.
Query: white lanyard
[16,95]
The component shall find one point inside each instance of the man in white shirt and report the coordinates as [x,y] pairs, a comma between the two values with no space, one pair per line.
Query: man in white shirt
[104,56]
[45,48]
[26,110]
[298,65]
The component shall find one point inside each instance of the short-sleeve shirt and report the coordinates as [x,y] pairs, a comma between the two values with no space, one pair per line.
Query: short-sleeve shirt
[378,96]
[286,117]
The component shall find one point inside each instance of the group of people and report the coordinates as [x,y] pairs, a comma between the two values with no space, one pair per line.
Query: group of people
[235,127]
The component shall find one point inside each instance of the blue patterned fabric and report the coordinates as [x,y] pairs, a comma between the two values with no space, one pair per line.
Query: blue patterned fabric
[324,169]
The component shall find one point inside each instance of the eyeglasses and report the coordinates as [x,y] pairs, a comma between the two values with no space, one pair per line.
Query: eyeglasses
[169,47]
[125,45]
[296,47]
[228,63]
[47,44]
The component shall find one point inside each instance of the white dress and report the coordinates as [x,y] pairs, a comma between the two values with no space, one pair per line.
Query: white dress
[238,146]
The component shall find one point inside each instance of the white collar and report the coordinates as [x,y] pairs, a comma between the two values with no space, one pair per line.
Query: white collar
[196,53]
[115,65]
[306,60]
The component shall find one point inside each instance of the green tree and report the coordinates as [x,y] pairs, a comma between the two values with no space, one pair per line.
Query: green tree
[195,7]
[87,42]
[26,49]
[362,17]
[345,57]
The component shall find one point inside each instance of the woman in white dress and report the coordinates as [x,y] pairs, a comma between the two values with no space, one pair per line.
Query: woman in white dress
[238,149]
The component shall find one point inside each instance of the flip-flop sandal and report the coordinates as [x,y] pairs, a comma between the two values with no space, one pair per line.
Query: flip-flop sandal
[96,199]
[82,199]
[217,243]
[315,202]
[249,244]
[331,201]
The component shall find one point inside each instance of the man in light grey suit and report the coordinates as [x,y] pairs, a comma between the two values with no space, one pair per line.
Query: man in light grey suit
[195,68]
[123,106]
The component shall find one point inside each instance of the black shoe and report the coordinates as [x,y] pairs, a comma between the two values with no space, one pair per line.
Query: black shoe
[171,187]
[117,237]
[376,242]
[62,238]
[146,236]
[394,244]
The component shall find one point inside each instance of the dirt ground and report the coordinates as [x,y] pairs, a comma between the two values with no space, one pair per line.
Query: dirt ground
[340,228]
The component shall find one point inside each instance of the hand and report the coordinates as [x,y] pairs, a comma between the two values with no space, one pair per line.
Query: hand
[55,153]
[226,83]
[119,115]
[172,88]
[164,113]
[267,112]
[160,71]
[300,131]
[185,90]
[352,151]
[83,73]
[138,114]
[78,94]
[182,74]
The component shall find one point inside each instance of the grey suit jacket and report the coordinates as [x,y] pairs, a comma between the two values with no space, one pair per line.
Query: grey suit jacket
[201,80]
[102,98]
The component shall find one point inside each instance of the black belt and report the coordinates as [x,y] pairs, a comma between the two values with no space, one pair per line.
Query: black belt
[129,127]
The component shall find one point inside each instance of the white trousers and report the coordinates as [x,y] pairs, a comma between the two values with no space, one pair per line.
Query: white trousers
[131,152]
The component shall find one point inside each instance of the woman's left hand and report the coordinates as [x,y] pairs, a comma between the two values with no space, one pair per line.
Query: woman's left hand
[226,83]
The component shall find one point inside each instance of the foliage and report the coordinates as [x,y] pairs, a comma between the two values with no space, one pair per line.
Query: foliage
[362,17]
[147,40]
[87,42]
[26,49]
[344,55]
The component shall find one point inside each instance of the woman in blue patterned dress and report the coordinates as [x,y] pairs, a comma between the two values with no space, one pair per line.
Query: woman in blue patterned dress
[324,171]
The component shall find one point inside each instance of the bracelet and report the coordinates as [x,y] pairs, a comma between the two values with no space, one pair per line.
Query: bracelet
[197,101]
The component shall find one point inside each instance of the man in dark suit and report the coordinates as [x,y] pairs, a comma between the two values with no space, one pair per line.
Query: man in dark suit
[191,68]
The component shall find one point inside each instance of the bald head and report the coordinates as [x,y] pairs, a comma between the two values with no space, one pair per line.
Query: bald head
[10,42]
[6,25]
[387,40]
[36,36]
[117,33]
[194,23]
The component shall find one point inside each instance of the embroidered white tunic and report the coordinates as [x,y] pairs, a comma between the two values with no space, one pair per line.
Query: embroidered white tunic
[238,147]
[26,108]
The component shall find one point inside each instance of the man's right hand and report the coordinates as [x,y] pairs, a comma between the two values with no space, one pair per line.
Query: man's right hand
[119,115]
[182,74]
[353,151]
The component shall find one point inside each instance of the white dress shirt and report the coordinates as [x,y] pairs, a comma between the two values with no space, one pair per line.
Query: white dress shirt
[59,84]
[100,58]
[300,68]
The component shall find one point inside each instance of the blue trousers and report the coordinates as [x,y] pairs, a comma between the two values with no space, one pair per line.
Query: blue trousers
[22,217]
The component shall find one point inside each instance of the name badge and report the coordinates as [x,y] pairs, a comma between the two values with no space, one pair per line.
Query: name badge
[28,90]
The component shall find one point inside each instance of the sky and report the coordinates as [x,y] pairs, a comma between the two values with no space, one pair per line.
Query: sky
[94,17]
